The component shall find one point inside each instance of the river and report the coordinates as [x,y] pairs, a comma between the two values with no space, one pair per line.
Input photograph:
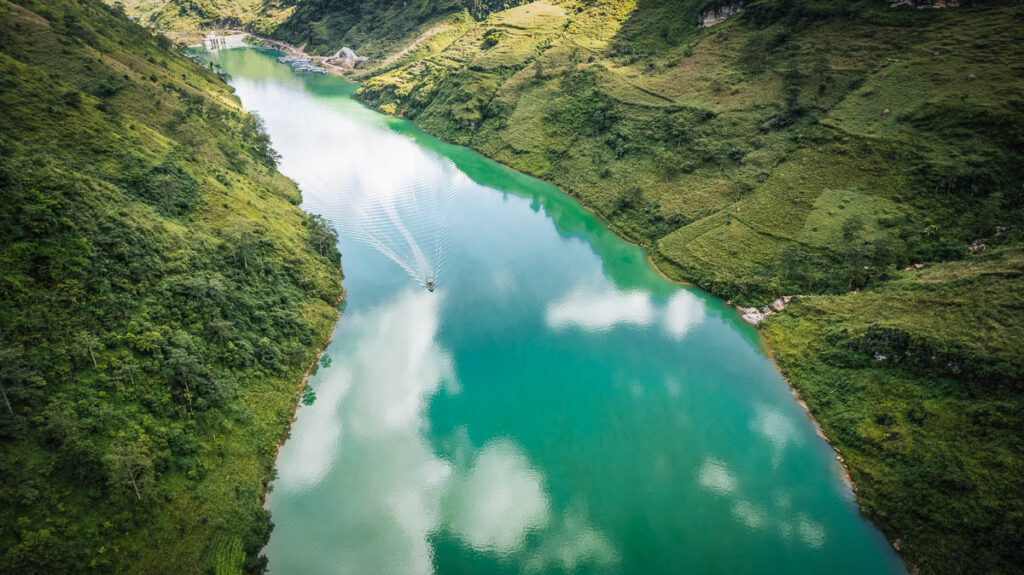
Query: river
[554,405]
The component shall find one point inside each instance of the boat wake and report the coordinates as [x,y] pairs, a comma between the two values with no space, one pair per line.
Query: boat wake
[409,221]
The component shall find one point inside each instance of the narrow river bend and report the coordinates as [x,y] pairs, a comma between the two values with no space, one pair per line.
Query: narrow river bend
[553,406]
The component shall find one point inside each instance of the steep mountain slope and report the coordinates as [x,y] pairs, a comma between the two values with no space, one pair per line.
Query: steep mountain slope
[392,32]
[800,147]
[917,380]
[398,28]
[161,295]
[759,133]
[179,16]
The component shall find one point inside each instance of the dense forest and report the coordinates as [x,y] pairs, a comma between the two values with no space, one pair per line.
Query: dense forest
[161,296]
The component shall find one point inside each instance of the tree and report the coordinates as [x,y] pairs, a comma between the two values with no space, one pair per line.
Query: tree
[491,38]
[245,245]
[130,461]
[90,343]
[324,237]
[12,371]
[128,368]
[183,367]
[221,328]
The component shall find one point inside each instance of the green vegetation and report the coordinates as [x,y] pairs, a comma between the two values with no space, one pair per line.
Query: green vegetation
[917,380]
[798,147]
[178,17]
[161,295]
[808,148]
[390,33]
[755,155]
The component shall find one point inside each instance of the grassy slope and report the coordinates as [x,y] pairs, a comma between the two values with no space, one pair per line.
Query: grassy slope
[917,381]
[756,160]
[178,16]
[161,295]
[376,29]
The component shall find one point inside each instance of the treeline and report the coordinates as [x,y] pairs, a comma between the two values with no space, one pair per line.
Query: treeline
[161,295]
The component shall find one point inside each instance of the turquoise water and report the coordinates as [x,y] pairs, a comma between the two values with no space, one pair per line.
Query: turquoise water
[553,406]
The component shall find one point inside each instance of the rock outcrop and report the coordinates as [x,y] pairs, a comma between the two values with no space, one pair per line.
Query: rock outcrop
[346,57]
[754,316]
[718,14]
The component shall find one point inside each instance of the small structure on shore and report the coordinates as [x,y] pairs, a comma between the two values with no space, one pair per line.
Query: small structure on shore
[215,42]
[302,64]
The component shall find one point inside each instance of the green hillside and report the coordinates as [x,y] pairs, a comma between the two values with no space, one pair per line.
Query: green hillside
[748,152]
[391,31]
[175,17]
[917,380]
[161,296]
[800,148]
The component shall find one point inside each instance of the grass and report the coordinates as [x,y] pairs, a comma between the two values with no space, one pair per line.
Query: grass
[916,381]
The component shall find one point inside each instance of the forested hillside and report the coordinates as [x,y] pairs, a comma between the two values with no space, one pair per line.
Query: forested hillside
[161,295]
[865,154]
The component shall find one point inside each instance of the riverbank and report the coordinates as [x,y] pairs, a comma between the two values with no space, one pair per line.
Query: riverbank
[331,65]
[300,390]
[163,289]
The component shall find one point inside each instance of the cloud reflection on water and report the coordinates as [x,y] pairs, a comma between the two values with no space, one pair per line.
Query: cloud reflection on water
[364,439]
[390,480]
[716,477]
[683,313]
[778,429]
[570,543]
[494,504]
[599,310]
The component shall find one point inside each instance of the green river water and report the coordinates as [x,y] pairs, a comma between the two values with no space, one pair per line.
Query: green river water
[553,406]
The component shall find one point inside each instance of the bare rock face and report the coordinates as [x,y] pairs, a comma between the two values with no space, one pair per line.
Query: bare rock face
[718,14]
[346,57]
[754,316]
